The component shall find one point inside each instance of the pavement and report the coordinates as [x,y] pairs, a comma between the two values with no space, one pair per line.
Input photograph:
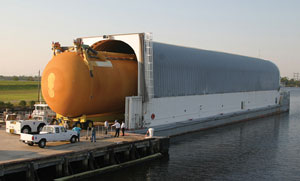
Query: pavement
[11,149]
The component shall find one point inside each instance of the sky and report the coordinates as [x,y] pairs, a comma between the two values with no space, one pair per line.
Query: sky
[267,29]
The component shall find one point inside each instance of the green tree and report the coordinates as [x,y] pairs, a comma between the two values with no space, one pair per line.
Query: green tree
[30,78]
[31,103]
[284,80]
[290,82]
[2,105]
[22,103]
[8,105]
[15,78]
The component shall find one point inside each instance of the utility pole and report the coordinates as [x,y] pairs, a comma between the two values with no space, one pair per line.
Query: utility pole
[296,76]
[39,87]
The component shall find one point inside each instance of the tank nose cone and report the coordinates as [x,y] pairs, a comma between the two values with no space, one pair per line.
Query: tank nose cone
[60,81]
[51,80]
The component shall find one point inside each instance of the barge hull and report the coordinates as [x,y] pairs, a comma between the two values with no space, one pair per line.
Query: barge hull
[188,126]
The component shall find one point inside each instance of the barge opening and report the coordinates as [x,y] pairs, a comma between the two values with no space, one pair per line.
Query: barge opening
[114,46]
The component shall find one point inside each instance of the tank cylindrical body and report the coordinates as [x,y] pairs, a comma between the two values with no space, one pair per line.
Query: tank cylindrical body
[70,90]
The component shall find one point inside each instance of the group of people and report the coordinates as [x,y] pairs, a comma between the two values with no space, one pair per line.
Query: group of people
[106,126]
[117,125]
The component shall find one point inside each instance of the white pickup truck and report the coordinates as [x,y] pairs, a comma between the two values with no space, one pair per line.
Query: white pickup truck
[49,133]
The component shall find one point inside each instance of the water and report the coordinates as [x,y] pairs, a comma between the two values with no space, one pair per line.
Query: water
[264,149]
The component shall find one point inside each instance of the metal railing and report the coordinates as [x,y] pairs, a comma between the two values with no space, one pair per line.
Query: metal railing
[100,132]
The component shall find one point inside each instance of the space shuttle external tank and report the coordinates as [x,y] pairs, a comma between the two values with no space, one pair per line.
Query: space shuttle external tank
[83,80]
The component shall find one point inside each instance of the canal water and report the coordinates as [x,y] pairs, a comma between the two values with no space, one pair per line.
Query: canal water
[263,149]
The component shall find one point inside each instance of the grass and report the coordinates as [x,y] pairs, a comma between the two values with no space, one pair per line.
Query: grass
[18,85]
[15,91]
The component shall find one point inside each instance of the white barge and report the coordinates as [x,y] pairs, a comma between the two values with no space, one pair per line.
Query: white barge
[182,89]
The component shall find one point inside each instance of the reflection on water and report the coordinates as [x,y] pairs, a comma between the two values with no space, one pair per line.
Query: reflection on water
[264,149]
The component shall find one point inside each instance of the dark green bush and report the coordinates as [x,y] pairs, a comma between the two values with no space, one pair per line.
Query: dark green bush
[31,103]
[22,103]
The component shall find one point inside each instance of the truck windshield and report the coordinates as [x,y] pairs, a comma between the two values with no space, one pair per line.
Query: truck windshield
[47,129]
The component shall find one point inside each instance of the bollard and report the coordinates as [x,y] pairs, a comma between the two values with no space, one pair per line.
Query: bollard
[150,133]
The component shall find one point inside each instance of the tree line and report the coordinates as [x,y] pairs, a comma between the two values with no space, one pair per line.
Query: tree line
[19,78]
[22,105]
[285,81]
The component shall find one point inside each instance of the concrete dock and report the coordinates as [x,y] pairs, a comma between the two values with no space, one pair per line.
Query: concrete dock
[60,159]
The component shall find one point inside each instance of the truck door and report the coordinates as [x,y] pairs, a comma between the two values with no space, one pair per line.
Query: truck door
[63,134]
[56,136]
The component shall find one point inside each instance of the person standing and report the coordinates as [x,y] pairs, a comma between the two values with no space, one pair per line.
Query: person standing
[77,129]
[117,125]
[123,128]
[93,139]
[66,124]
[106,126]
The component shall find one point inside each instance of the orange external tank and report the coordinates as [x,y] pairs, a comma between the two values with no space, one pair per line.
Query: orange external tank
[73,85]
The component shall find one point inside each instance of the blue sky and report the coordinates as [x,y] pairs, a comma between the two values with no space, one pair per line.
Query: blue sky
[268,29]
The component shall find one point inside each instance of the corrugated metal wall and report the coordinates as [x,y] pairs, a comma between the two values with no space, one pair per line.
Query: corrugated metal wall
[180,71]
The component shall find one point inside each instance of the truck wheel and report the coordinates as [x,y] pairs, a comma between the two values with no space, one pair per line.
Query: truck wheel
[26,129]
[73,139]
[30,144]
[42,143]
[89,124]
[40,127]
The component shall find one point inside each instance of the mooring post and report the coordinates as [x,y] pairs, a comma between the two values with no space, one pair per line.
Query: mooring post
[85,162]
[156,147]
[66,167]
[91,161]
[164,144]
[151,149]
[1,170]
[112,159]
[59,170]
[144,150]
[127,155]
[106,158]
[132,152]
[30,172]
